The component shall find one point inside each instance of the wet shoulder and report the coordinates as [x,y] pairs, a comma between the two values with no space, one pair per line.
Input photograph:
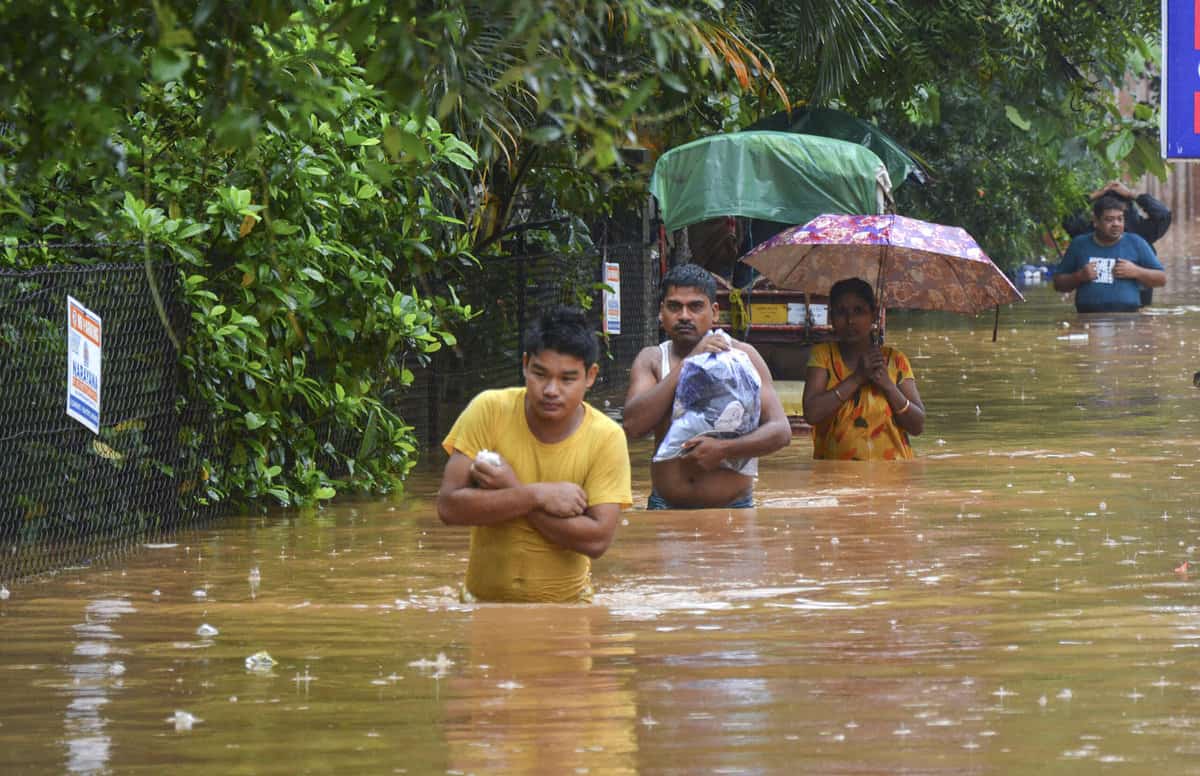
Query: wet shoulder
[746,348]
[821,355]
[1083,242]
[1136,240]
[649,356]
[499,401]
[601,425]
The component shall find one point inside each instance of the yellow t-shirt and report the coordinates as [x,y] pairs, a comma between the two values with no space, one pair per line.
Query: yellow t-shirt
[511,561]
[863,428]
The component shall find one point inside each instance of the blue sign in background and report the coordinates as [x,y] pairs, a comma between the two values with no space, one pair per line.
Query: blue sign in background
[1181,80]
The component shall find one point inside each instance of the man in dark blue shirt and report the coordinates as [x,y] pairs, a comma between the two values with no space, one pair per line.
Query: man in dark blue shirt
[1145,216]
[1106,267]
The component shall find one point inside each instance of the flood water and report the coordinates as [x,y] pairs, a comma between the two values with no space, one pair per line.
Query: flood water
[1009,603]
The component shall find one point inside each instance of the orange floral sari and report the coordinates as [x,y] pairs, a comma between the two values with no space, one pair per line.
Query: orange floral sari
[863,428]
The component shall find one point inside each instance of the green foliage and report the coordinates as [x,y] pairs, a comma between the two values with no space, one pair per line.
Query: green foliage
[327,171]
[324,170]
[1013,105]
[306,253]
[1003,182]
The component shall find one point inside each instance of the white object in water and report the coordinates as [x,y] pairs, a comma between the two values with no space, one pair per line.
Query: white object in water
[183,720]
[489,457]
[259,661]
[4,594]
[255,574]
[207,631]
[199,594]
[440,663]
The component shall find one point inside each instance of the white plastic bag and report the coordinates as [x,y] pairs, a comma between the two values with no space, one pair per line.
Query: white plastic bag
[718,395]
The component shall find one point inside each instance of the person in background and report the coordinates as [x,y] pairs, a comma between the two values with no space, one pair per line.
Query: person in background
[1145,216]
[860,398]
[687,312]
[550,504]
[1107,267]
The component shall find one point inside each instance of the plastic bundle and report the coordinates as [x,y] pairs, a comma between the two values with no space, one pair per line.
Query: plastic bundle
[718,395]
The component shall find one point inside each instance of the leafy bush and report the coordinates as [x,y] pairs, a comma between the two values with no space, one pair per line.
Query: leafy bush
[306,253]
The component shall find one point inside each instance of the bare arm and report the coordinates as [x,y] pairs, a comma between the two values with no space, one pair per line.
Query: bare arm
[821,401]
[648,400]
[1151,278]
[461,502]
[589,533]
[1157,219]
[912,421]
[1069,281]
[907,410]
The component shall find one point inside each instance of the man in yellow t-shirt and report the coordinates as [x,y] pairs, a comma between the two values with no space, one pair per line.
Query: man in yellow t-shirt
[553,501]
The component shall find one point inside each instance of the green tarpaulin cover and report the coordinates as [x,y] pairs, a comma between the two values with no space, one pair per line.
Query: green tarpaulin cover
[829,122]
[776,176]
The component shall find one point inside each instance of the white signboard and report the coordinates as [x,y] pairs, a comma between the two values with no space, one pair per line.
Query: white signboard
[83,365]
[612,299]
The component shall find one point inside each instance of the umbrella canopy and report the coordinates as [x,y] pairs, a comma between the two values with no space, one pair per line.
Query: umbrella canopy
[913,264]
[830,122]
[774,176]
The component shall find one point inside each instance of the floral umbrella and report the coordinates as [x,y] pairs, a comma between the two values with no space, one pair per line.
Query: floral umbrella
[912,264]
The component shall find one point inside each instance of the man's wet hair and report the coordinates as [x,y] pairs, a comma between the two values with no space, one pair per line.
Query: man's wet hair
[564,330]
[688,276]
[856,286]
[1108,202]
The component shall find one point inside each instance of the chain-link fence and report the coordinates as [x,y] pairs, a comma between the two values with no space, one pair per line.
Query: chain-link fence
[510,292]
[68,495]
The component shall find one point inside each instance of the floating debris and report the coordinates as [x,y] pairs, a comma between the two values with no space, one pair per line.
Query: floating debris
[440,663]
[255,575]
[260,661]
[4,593]
[199,594]
[1182,568]
[183,720]
[207,631]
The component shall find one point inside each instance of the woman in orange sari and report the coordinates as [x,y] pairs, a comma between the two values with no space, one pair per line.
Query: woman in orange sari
[860,398]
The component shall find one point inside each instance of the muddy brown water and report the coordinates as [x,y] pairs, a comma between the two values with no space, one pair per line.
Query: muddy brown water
[1006,604]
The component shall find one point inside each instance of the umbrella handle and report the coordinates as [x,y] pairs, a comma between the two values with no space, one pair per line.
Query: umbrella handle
[877,332]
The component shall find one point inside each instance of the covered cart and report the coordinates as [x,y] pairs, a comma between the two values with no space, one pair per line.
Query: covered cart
[720,196]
